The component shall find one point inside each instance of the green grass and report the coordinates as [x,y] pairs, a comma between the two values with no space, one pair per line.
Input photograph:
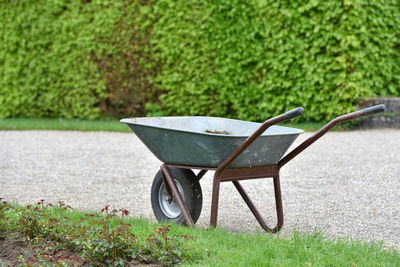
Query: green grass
[221,248]
[112,125]
[306,126]
[217,247]
[62,124]
[315,126]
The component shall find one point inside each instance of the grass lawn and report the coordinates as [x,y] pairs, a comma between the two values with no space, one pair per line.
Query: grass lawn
[189,247]
[222,248]
[62,124]
[109,125]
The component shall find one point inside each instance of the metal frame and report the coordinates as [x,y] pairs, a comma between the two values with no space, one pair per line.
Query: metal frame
[225,174]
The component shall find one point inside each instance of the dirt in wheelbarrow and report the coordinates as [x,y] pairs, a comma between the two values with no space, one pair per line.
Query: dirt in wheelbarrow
[217,132]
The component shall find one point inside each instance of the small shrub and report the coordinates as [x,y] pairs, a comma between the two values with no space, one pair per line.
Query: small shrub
[55,239]
[4,207]
[163,247]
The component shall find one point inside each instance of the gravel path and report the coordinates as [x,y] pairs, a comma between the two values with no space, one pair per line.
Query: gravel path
[347,183]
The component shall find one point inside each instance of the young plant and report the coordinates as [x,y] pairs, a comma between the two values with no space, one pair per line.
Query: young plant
[4,207]
[163,247]
[97,239]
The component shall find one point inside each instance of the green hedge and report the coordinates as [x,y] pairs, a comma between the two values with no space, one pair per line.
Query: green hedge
[69,58]
[255,59]
[46,68]
[247,59]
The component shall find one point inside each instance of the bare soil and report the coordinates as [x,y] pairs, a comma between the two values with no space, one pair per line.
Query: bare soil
[10,249]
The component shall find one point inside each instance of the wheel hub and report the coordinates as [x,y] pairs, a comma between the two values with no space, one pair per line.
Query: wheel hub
[169,207]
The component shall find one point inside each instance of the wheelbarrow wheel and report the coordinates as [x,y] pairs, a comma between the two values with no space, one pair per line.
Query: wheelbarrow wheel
[189,187]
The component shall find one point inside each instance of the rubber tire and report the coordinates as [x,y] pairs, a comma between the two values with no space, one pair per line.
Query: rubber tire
[191,189]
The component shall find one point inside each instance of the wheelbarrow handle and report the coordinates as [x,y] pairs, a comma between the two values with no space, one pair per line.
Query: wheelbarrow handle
[327,127]
[294,113]
[278,119]
[373,110]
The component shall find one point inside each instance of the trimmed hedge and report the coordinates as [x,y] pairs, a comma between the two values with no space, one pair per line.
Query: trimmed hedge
[68,58]
[256,59]
[247,59]
[45,57]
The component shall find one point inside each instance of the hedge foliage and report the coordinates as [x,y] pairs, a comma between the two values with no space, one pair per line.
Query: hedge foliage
[68,58]
[255,59]
[45,53]
[247,59]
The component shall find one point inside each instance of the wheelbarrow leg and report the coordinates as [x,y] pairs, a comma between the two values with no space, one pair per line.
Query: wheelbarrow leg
[201,174]
[278,202]
[175,191]
[254,210]
[214,202]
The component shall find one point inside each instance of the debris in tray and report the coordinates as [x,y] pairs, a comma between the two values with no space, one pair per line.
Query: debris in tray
[217,132]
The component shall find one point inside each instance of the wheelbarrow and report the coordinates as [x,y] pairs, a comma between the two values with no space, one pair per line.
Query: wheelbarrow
[236,150]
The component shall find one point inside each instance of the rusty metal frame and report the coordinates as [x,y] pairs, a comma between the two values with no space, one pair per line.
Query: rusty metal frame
[224,174]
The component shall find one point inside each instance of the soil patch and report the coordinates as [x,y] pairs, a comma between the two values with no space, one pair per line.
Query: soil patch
[10,249]
[217,132]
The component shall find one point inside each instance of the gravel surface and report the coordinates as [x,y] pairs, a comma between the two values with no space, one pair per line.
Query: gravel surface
[346,184]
